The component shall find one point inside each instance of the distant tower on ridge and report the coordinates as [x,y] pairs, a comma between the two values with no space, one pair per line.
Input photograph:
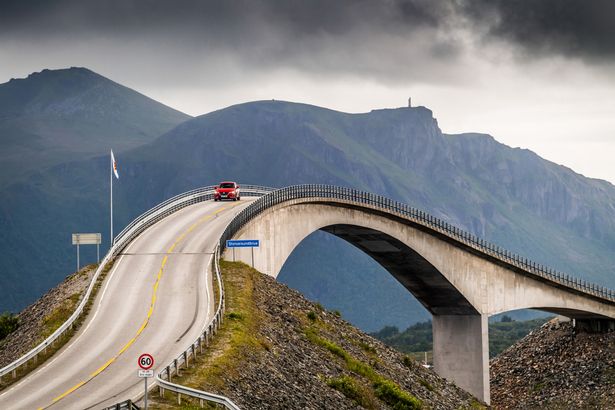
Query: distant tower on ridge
[409,102]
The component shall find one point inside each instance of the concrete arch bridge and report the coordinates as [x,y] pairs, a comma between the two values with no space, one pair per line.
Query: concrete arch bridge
[459,278]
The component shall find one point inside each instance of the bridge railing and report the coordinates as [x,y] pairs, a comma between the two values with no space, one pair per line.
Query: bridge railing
[132,230]
[417,216]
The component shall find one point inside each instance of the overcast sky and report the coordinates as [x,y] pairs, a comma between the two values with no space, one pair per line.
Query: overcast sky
[536,74]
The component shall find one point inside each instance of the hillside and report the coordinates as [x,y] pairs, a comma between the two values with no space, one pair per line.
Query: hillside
[556,368]
[58,116]
[276,350]
[506,195]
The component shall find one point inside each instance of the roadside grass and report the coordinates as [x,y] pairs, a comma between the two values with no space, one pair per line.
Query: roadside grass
[53,321]
[384,389]
[59,315]
[235,341]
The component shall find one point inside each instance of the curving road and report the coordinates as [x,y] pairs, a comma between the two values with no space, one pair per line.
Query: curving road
[156,299]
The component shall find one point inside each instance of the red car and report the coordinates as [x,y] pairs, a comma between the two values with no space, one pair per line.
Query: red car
[227,190]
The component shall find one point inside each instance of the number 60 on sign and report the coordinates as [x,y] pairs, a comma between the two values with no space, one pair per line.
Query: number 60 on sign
[145,361]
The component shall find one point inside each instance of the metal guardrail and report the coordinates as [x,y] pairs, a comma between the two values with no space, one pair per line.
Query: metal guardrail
[131,231]
[125,405]
[174,367]
[352,196]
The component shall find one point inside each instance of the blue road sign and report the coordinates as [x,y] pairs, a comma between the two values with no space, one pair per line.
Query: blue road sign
[242,243]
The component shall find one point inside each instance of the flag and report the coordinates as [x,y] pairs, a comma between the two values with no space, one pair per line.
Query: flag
[114,165]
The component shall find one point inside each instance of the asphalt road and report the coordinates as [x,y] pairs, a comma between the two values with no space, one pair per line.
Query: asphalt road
[156,299]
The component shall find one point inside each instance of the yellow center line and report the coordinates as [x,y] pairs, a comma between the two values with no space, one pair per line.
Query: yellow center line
[149,312]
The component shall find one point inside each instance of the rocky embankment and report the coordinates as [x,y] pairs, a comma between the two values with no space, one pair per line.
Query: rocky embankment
[36,320]
[300,356]
[556,368]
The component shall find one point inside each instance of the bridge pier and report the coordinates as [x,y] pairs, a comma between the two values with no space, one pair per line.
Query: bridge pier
[461,352]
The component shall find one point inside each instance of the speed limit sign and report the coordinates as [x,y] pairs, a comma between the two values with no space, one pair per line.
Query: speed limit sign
[146,361]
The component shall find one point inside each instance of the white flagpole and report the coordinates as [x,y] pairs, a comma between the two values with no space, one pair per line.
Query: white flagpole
[111,201]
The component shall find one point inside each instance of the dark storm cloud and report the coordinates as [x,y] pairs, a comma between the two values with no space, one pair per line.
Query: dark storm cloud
[378,39]
[576,28]
[387,40]
[296,16]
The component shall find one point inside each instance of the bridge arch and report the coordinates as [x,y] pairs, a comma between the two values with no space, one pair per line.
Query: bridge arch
[459,278]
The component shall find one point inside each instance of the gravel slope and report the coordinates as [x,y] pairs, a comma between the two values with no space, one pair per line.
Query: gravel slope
[556,368]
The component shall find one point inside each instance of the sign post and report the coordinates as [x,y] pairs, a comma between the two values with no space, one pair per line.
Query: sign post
[243,243]
[87,239]
[146,362]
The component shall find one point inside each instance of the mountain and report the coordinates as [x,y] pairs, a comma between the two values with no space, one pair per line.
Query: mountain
[57,116]
[506,195]
[48,119]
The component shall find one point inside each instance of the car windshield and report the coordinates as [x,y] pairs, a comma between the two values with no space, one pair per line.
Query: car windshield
[227,185]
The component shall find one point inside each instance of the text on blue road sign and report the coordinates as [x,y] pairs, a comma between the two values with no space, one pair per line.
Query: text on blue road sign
[243,243]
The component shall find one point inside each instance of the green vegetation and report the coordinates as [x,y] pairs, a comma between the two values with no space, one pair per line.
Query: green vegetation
[59,315]
[477,405]
[390,393]
[418,338]
[234,316]
[8,323]
[352,389]
[311,315]
[383,388]
[426,384]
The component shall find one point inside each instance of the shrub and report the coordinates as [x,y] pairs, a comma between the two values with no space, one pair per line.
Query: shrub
[408,362]
[235,316]
[311,315]
[8,323]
